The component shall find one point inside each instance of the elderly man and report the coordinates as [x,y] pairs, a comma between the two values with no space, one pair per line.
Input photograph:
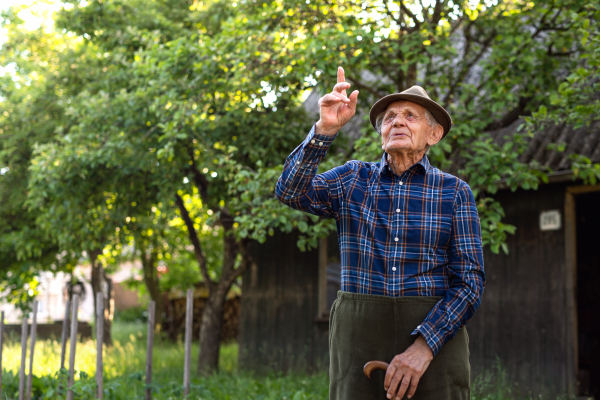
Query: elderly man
[410,246]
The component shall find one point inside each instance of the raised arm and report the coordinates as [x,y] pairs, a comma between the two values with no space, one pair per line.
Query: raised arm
[299,186]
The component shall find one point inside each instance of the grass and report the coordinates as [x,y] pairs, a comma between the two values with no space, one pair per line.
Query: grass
[124,372]
[124,366]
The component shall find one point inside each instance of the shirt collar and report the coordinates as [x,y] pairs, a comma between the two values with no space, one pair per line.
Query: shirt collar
[423,165]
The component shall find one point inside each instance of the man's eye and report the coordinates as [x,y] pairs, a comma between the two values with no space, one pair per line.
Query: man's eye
[390,117]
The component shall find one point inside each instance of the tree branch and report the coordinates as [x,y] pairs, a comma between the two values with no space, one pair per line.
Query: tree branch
[360,85]
[195,242]
[247,260]
[510,116]
[425,12]
[437,12]
[199,179]
[389,13]
[411,15]
[467,67]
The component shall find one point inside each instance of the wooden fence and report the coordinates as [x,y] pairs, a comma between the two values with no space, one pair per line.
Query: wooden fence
[25,380]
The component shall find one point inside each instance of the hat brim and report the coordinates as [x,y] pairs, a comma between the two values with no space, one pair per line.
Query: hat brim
[439,113]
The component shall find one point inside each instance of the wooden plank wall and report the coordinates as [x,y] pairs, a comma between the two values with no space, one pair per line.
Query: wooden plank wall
[279,307]
[523,321]
[523,317]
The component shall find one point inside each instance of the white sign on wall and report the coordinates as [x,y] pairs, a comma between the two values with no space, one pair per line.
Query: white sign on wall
[550,220]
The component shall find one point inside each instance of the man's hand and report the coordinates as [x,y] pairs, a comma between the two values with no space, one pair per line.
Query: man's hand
[406,369]
[336,108]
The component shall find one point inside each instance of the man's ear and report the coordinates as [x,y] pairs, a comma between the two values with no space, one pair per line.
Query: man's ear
[436,135]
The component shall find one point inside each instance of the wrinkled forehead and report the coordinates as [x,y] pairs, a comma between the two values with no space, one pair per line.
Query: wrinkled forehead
[405,105]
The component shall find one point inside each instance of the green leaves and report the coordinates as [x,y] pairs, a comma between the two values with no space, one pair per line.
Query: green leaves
[130,102]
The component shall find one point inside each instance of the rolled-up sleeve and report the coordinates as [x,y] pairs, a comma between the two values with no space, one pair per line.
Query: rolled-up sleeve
[301,188]
[465,273]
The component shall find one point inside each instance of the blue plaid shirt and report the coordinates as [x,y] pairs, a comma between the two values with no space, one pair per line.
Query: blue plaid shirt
[417,234]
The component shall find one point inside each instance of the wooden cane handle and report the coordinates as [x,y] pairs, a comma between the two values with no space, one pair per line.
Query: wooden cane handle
[373,365]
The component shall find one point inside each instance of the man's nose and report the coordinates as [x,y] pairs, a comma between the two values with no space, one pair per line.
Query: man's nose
[398,121]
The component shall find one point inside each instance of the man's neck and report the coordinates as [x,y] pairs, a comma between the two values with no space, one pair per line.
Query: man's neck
[400,162]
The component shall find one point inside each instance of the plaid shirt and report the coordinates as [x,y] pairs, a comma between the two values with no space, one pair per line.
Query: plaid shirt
[417,234]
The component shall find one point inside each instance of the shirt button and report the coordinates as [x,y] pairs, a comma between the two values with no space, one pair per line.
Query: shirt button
[401,183]
[393,268]
[297,162]
[397,210]
[320,143]
[313,141]
[419,327]
[396,239]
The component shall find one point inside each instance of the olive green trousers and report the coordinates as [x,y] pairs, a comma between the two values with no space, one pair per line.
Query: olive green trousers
[364,328]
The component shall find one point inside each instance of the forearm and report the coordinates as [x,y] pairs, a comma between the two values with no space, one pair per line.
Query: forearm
[298,186]
[452,312]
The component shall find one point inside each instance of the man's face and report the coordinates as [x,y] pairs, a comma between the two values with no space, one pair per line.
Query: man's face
[405,129]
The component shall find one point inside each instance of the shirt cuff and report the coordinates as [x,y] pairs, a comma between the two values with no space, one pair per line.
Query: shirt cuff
[429,333]
[318,143]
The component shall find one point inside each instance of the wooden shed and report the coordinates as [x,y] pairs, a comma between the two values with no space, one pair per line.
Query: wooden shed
[540,312]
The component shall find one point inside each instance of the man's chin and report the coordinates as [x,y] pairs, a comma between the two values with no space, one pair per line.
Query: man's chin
[398,146]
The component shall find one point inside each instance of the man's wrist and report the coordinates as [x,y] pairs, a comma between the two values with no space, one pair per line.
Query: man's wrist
[325,130]
[422,344]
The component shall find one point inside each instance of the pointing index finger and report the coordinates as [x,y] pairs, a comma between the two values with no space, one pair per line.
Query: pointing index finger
[341,77]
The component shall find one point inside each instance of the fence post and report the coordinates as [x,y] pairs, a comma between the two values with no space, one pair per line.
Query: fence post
[65,329]
[150,345]
[23,357]
[189,308]
[32,335]
[73,344]
[63,341]
[99,343]
[1,345]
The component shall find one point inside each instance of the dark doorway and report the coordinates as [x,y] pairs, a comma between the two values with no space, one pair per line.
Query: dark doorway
[588,292]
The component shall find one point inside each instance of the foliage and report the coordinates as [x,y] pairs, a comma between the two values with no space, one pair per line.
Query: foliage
[30,108]
[131,127]
[484,61]
[154,140]
[132,315]
[575,101]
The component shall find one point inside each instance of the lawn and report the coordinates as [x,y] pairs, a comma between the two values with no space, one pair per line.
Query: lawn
[124,366]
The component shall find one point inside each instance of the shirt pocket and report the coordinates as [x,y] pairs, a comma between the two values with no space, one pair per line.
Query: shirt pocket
[432,222]
[441,232]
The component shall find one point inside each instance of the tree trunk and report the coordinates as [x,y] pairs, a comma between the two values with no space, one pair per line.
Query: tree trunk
[212,318]
[210,331]
[148,258]
[101,284]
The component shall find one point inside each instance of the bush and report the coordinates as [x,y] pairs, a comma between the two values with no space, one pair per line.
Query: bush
[136,314]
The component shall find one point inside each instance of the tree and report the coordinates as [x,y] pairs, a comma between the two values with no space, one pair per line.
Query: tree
[30,109]
[484,61]
[190,108]
[51,68]
[164,134]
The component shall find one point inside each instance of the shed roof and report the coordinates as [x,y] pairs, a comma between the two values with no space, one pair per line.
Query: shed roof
[584,141]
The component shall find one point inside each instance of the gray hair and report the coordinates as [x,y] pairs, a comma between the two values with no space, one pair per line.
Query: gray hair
[428,116]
